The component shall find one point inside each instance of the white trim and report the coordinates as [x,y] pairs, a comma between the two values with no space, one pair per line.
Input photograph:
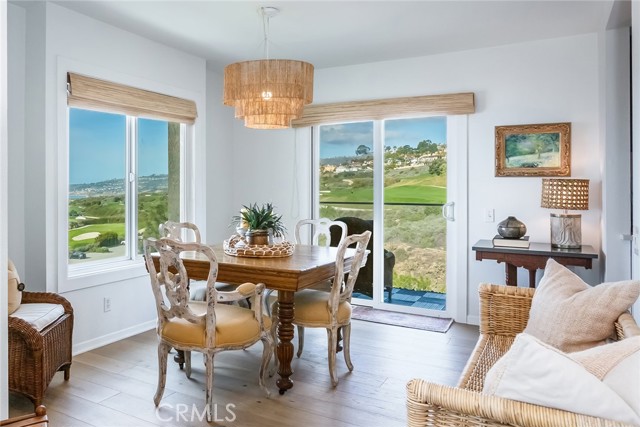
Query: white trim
[458,231]
[79,348]
[128,268]
[378,212]
[473,320]
[4,316]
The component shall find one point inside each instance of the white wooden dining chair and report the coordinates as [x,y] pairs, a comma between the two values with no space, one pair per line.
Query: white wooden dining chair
[330,310]
[215,328]
[180,231]
[321,229]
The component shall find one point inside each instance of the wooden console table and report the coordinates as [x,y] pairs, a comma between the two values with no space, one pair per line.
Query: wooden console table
[533,258]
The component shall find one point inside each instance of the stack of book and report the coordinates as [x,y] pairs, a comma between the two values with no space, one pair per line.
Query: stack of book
[500,241]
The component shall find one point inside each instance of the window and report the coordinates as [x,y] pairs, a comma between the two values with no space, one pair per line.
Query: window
[124,180]
[125,167]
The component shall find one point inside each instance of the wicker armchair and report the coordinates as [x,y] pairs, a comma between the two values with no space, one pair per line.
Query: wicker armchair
[35,357]
[504,311]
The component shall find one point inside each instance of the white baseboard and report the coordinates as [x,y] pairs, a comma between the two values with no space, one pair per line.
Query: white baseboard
[473,320]
[88,345]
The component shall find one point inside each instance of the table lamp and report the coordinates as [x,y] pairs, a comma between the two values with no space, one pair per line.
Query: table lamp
[567,194]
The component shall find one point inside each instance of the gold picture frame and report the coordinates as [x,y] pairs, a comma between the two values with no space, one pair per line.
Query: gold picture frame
[533,150]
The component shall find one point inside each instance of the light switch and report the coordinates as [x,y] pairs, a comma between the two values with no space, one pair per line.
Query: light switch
[489,215]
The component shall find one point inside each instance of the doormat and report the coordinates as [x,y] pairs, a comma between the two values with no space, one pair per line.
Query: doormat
[415,321]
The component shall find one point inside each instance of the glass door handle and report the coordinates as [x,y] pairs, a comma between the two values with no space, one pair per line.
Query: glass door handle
[448,212]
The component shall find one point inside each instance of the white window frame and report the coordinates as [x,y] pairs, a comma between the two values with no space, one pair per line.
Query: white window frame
[95,274]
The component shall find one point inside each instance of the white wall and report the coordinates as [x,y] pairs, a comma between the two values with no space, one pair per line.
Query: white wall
[615,151]
[537,82]
[55,35]
[4,403]
[220,168]
[16,116]
[635,66]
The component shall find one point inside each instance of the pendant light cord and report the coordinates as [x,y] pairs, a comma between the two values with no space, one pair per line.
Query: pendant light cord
[265,32]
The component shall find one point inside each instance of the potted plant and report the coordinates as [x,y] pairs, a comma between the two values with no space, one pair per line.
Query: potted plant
[259,223]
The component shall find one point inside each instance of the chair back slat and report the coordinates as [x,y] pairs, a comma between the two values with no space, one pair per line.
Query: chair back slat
[342,289]
[321,229]
[170,282]
[180,231]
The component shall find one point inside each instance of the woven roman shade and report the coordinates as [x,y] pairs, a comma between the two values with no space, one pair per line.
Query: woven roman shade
[379,109]
[87,92]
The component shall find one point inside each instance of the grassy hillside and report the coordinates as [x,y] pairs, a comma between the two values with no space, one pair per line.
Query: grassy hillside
[415,234]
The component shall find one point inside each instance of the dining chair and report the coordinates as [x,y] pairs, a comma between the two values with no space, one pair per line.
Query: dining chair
[330,310]
[180,231]
[210,327]
[321,229]
[189,232]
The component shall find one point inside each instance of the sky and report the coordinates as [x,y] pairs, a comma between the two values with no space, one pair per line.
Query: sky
[343,139]
[97,143]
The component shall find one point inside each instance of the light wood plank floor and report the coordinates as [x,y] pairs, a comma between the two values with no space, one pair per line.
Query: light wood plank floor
[114,385]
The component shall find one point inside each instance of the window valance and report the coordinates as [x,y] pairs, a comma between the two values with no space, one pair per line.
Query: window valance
[88,92]
[448,104]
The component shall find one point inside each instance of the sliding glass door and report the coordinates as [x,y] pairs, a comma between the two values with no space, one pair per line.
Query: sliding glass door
[391,177]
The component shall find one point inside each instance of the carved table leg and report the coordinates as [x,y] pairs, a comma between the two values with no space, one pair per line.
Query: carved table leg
[285,335]
[532,277]
[179,358]
[511,273]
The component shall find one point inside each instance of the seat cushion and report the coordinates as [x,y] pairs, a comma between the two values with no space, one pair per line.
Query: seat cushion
[311,309]
[39,315]
[15,288]
[571,315]
[534,372]
[235,326]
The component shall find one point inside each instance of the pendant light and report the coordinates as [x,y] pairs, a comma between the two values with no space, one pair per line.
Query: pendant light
[268,93]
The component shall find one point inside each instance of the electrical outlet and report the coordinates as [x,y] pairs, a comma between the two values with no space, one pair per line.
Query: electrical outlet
[489,215]
[107,304]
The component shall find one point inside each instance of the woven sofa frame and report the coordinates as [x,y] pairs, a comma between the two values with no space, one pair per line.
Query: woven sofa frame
[35,357]
[504,311]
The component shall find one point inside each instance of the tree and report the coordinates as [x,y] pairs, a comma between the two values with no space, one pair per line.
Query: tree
[438,167]
[426,146]
[362,150]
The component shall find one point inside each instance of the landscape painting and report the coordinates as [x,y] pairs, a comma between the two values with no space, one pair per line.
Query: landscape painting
[533,150]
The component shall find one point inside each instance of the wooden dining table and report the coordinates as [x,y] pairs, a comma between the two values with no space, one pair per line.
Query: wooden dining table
[307,266]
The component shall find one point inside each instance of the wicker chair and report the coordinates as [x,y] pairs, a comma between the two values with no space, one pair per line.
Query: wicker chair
[35,356]
[504,311]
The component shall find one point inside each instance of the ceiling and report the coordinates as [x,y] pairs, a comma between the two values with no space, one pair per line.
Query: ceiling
[337,33]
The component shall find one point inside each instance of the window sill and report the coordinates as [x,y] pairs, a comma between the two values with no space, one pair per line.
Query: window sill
[82,278]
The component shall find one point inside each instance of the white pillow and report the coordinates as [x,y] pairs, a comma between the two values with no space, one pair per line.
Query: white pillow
[534,372]
[617,365]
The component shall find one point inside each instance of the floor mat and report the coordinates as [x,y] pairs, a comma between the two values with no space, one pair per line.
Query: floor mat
[415,321]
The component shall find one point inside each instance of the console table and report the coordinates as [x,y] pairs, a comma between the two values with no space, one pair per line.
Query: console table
[533,258]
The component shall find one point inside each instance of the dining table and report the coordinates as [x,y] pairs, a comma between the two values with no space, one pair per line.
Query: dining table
[307,266]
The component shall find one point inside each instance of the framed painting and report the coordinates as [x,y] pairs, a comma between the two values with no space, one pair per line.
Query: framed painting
[533,150]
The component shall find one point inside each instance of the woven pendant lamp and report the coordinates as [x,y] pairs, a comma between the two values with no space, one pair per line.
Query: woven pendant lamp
[268,93]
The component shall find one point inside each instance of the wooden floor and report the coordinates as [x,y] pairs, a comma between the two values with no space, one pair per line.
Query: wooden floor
[114,385]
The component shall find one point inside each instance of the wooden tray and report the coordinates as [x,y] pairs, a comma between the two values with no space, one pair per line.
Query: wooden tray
[237,246]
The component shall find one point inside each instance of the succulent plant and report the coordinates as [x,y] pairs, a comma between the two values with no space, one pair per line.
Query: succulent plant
[254,217]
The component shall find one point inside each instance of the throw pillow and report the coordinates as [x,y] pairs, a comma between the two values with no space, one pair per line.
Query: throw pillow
[534,372]
[617,365]
[571,315]
[15,288]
